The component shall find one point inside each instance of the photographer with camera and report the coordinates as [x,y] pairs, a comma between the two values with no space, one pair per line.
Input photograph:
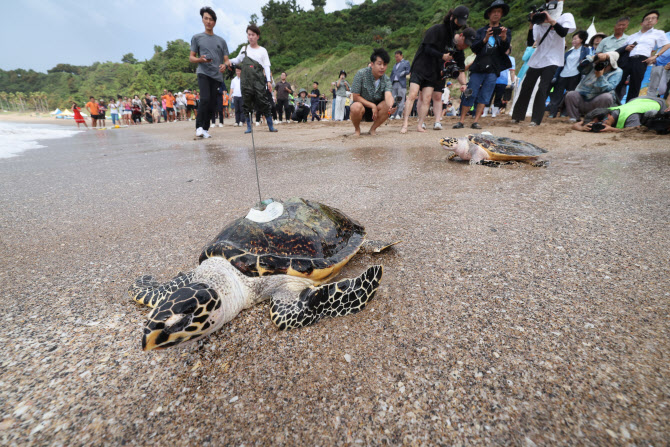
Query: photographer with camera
[550,27]
[491,45]
[596,89]
[633,114]
[439,45]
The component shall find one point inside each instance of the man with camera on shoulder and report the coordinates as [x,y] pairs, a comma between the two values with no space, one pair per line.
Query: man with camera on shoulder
[490,46]
[596,89]
[550,26]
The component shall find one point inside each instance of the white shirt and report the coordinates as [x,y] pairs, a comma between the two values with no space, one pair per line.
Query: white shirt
[445,95]
[646,42]
[258,54]
[552,50]
[235,87]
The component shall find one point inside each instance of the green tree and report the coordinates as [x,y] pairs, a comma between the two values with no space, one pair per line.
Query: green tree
[129,59]
[253,19]
[318,5]
[158,49]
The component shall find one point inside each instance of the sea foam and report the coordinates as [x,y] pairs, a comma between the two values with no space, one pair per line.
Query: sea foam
[16,138]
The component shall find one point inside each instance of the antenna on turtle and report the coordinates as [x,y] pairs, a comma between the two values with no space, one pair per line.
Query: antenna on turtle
[253,144]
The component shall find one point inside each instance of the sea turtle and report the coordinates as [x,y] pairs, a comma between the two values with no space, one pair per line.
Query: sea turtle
[286,252]
[491,150]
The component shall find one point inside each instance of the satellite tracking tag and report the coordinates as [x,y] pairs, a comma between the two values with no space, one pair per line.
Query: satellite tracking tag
[270,213]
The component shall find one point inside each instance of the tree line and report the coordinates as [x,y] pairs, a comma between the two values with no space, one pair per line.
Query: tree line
[292,36]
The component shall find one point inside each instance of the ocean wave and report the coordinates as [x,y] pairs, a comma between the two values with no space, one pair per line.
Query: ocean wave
[16,138]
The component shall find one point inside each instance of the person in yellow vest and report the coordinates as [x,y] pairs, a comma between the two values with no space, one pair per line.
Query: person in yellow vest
[617,119]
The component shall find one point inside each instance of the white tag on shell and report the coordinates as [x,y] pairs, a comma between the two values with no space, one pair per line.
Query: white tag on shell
[270,213]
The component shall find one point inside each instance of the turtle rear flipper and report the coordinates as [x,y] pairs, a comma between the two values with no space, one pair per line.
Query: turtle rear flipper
[344,297]
[146,290]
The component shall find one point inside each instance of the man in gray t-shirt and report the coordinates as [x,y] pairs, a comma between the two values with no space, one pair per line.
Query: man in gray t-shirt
[210,52]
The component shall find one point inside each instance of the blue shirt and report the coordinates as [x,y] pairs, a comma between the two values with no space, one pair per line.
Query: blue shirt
[664,58]
[590,86]
[503,78]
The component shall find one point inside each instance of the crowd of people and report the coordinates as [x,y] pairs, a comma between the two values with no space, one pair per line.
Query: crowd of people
[151,109]
[598,74]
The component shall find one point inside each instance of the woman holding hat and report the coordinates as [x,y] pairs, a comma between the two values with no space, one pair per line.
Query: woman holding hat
[342,87]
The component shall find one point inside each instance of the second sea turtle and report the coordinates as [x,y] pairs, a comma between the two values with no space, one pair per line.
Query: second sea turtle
[492,150]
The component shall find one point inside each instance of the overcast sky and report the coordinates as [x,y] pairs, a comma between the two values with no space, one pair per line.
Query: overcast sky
[39,34]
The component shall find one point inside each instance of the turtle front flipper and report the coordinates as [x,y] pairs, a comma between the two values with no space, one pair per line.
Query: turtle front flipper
[345,297]
[146,290]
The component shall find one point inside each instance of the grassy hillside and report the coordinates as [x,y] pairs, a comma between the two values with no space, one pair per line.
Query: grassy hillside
[324,65]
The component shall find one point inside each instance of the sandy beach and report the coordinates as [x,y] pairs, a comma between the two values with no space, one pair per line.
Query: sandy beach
[525,306]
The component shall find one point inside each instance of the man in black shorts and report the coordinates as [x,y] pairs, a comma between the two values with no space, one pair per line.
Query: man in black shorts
[371,90]
[439,45]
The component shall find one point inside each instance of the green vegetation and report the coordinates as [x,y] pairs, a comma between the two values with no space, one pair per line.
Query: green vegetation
[308,45]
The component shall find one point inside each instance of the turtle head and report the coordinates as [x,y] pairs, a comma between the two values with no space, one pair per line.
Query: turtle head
[459,146]
[449,143]
[190,313]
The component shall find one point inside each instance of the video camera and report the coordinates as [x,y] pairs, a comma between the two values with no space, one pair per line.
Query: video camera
[497,30]
[536,16]
[450,69]
[397,101]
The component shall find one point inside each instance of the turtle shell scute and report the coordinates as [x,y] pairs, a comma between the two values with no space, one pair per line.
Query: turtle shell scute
[307,237]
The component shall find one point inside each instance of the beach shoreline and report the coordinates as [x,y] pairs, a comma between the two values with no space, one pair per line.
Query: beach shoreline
[524,305]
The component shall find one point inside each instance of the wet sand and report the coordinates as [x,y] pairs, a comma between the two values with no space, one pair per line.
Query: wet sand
[526,306]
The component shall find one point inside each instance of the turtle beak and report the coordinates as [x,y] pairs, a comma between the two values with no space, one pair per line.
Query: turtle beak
[160,335]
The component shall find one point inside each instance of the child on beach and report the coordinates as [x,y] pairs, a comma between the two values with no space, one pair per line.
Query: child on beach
[114,110]
[77,116]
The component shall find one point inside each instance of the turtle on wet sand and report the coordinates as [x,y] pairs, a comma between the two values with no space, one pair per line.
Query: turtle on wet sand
[491,150]
[286,252]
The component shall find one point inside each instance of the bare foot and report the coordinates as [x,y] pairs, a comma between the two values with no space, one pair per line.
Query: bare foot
[357,132]
[403,129]
[420,129]
[372,132]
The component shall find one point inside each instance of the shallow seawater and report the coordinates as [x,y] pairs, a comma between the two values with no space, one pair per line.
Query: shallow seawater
[16,138]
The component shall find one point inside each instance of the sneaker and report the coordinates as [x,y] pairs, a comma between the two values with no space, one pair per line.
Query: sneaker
[392,117]
[486,111]
[423,126]
[475,126]
[437,126]
[220,125]
[572,120]
[532,124]
[258,123]
[552,116]
[199,132]
[458,125]
[206,134]
[515,121]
